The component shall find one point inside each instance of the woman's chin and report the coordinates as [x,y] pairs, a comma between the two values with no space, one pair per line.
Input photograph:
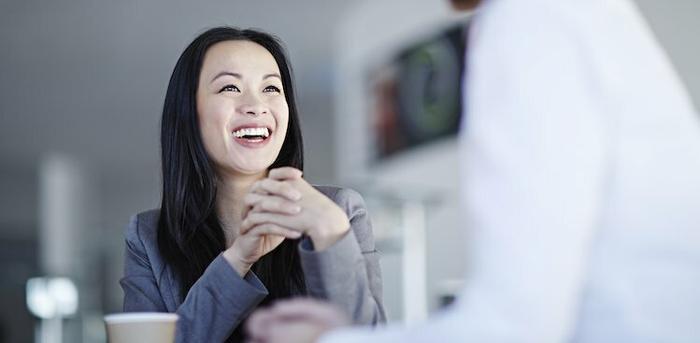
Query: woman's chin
[242,165]
[249,170]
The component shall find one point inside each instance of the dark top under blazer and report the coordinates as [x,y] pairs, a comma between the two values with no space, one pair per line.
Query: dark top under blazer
[346,274]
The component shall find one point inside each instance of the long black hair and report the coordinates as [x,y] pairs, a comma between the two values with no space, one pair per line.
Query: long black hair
[190,234]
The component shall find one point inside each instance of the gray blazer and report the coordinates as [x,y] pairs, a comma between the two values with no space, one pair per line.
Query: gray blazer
[346,274]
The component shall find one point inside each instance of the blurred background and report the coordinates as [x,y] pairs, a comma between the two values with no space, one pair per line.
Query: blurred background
[378,82]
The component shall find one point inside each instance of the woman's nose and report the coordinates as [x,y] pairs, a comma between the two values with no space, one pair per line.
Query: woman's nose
[252,106]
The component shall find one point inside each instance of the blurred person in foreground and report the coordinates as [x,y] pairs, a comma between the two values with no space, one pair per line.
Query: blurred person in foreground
[581,176]
[239,226]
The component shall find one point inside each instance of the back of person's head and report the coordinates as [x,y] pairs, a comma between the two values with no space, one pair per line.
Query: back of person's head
[465,5]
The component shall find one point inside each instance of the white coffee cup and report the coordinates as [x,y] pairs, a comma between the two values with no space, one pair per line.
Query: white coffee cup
[151,327]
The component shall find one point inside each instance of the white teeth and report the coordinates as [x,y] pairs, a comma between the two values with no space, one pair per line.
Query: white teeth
[253,131]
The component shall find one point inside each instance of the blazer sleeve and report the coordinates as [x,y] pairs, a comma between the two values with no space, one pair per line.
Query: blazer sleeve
[347,273]
[215,305]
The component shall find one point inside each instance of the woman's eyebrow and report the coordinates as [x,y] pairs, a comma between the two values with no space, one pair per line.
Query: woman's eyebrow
[226,73]
[238,76]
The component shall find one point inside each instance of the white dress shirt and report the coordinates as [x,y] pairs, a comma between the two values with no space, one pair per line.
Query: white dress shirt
[581,176]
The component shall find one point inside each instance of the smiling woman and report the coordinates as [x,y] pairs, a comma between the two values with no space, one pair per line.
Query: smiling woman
[240,94]
[238,225]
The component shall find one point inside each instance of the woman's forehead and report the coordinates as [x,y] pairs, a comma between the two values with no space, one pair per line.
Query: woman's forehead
[241,57]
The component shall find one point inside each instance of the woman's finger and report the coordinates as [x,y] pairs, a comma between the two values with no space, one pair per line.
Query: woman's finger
[254,219]
[285,173]
[269,203]
[273,229]
[257,322]
[307,309]
[275,187]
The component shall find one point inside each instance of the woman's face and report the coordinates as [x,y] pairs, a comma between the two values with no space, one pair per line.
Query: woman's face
[242,110]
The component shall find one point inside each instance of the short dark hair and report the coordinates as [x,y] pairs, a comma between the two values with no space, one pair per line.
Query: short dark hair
[465,5]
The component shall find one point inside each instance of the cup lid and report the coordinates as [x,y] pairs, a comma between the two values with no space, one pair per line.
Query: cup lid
[130,317]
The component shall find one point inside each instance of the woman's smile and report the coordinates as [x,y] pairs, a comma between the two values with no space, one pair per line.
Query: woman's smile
[252,136]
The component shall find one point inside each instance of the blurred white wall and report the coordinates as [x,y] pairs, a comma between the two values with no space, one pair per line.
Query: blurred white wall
[369,34]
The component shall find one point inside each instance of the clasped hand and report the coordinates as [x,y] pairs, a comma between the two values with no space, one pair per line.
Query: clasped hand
[284,205]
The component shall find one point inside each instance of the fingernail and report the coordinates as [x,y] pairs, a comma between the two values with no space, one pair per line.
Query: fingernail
[297,209]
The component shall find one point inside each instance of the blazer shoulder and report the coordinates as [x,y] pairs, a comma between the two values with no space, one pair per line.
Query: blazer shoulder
[346,198]
[143,227]
[354,206]
[142,251]
[142,238]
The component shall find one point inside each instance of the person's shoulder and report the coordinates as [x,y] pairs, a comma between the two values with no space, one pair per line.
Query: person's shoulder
[143,227]
[338,194]
[142,241]
[354,206]
[346,198]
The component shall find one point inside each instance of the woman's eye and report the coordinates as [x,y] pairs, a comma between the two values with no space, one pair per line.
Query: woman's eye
[229,88]
[271,89]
